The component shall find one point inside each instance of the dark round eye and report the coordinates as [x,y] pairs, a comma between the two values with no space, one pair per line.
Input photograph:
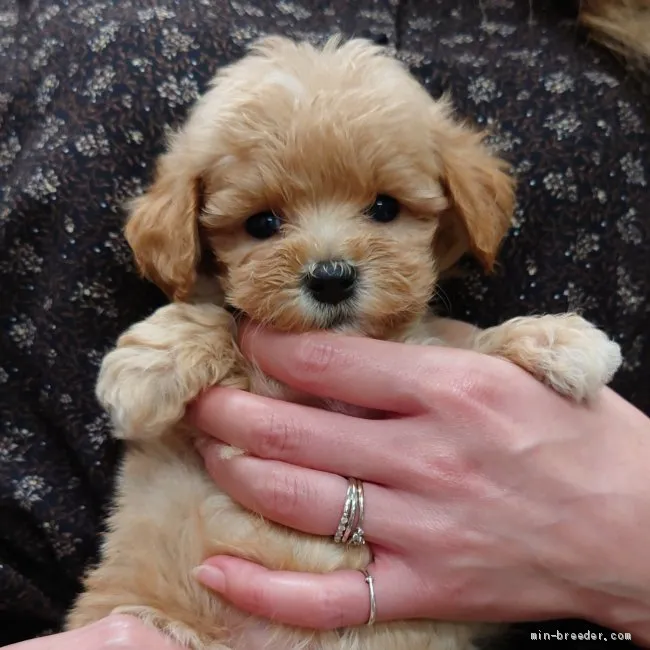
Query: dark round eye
[263,225]
[384,209]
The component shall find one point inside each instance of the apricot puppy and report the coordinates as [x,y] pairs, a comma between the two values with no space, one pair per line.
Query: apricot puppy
[309,189]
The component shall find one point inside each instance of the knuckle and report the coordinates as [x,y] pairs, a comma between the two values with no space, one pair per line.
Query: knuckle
[314,357]
[450,475]
[259,600]
[330,610]
[468,383]
[275,436]
[285,492]
[474,388]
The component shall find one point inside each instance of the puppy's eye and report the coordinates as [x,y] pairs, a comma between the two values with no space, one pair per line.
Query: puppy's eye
[263,225]
[384,209]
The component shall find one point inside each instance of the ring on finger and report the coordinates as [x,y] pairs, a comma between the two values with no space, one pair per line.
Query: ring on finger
[370,581]
[350,529]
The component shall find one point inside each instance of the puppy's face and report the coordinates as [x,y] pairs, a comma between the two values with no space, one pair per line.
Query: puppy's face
[328,186]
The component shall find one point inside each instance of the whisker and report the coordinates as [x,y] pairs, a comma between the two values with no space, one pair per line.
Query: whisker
[440,293]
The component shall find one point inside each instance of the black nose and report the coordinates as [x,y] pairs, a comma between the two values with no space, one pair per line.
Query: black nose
[331,282]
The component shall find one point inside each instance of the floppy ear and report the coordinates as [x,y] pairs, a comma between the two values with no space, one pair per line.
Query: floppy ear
[162,228]
[481,195]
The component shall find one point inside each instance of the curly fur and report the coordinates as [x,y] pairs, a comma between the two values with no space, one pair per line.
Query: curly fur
[621,25]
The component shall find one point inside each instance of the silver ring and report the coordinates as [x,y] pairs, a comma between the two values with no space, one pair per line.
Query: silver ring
[349,530]
[370,581]
[357,538]
[349,508]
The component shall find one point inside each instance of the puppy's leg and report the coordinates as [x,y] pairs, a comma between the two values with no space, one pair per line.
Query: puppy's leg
[164,362]
[564,351]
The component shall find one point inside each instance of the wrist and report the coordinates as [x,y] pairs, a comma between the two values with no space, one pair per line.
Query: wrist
[614,584]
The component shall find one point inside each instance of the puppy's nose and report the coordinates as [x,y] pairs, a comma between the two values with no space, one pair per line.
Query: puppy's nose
[331,282]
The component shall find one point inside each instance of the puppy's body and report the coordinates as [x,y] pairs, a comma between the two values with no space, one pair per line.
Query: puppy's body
[298,165]
[169,517]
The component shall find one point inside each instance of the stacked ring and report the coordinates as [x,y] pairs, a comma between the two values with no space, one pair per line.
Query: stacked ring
[350,529]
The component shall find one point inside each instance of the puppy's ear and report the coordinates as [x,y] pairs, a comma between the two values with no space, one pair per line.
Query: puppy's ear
[481,195]
[162,228]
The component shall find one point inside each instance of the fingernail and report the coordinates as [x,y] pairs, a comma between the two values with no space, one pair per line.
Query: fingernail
[210,576]
[202,444]
[212,449]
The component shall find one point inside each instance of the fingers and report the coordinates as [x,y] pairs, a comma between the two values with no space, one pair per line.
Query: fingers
[318,601]
[302,435]
[302,499]
[365,372]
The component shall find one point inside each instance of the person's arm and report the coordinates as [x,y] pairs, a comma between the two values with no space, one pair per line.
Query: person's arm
[488,496]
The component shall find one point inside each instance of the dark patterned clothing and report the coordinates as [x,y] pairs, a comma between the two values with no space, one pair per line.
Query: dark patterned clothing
[87,92]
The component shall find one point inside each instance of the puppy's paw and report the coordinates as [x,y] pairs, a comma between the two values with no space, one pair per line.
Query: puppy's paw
[564,351]
[163,363]
[177,632]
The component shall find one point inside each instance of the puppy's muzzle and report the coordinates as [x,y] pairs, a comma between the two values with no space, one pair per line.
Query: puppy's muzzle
[330,282]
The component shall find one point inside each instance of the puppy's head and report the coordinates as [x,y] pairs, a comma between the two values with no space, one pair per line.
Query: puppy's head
[328,186]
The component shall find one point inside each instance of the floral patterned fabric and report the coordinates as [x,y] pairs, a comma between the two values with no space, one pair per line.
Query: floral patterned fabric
[87,93]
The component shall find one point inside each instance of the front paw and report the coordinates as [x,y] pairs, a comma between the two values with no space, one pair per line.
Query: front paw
[564,351]
[164,362]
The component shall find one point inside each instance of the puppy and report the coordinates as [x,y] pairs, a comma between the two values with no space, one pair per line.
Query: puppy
[621,26]
[310,189]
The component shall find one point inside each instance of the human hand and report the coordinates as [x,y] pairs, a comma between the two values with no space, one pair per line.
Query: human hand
[488,496]
[114,632]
